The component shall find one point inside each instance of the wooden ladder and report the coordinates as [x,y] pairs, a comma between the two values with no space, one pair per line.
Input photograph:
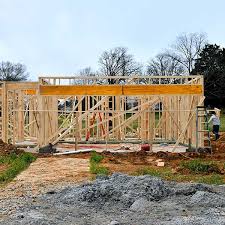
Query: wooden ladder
[201,112]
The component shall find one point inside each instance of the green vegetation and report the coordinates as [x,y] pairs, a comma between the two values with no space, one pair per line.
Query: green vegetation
[95,168]
[222,121]
[212,179]
[14,165]
[200,166]
[190,171]
[96,158]
[159,172]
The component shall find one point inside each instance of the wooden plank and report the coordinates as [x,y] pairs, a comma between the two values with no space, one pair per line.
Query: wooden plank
[21,85]
[4,113]
[26,92]
[162,89]
[30,92]
[128,90]
[192,112]
[81,90]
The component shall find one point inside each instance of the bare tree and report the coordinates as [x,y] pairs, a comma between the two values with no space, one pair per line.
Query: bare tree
[87,71]
[117,62]
[12,72]
[164,65]
[187,48]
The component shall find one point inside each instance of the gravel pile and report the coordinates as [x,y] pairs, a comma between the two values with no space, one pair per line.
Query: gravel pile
[121,200]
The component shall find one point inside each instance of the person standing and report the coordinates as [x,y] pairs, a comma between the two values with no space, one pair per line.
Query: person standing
[216,124]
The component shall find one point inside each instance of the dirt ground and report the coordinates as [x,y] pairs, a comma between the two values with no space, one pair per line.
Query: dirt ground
[52,172]
[56,171]
[45,174]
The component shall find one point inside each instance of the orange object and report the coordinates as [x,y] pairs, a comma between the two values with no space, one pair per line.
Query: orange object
[92,122]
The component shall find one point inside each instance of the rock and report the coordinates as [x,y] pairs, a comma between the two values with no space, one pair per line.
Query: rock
[202,198]
[139,205]
[118,200]
[114,222]
[125,189]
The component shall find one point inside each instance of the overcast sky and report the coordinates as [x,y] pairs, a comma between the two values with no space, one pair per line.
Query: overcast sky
[61,37]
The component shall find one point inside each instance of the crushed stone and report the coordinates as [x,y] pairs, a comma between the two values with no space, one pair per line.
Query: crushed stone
[121,200]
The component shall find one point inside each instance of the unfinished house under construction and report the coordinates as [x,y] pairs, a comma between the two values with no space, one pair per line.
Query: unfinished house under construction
[138,109]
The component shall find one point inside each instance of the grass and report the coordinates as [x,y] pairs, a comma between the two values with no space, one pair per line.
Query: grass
[96,158]
[195,171]
[168,175]
[161,172]
[211,179]
[95,168]
[200,166]
[222,122]
[15,164]
[98,170]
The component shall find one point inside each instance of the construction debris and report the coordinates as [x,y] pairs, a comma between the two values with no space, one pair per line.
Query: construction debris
[161,164]
[146,147]
[73,152]
[47,149]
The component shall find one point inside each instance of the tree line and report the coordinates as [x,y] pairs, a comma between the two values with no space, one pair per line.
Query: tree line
[190,54]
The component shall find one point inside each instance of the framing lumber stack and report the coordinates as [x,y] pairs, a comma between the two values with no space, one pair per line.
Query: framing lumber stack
[89,109]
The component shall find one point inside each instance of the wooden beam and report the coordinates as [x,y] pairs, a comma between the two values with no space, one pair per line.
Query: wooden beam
[128,90]
[81,90]
[30,92]
[164,89]
[192,112]
[26,92]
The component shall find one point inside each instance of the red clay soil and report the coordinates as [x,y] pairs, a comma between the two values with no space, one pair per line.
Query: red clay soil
[130,162]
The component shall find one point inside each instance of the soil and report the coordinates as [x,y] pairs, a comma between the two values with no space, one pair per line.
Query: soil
[3,167]
[50,178]
[45,173]
[7,149]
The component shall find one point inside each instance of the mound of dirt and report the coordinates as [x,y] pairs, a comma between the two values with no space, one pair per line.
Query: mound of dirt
[7,149]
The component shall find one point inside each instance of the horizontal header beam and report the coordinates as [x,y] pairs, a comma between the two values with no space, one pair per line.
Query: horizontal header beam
[128,90]
[26,92]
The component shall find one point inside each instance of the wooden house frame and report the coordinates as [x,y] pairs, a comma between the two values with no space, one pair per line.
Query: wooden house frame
[144,109]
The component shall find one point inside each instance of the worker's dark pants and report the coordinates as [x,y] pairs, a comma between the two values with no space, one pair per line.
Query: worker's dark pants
[216,131]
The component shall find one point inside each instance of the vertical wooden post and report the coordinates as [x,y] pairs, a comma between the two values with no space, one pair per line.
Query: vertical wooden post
[4,113]
[41,131]
[117,119]
[20,131]
[76,132]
